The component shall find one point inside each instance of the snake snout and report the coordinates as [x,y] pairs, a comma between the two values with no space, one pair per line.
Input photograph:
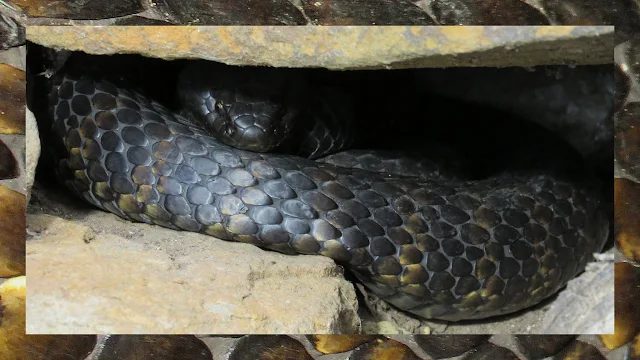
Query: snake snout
[258,127]
[250,108]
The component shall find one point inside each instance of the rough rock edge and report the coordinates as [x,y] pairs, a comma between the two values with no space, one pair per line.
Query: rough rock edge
[342,318]
[375,47]
[32,152]
[584,307]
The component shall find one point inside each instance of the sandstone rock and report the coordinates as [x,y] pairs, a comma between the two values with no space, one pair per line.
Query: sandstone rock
[87,282]
[584,307]
[351,47]
[32,152]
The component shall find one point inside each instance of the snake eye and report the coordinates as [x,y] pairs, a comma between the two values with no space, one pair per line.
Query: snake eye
[230,130]
[220,108]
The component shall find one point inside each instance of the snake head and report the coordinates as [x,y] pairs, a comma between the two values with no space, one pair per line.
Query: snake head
[253,109]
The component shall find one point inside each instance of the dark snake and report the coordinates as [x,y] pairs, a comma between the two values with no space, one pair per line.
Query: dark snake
[422,240]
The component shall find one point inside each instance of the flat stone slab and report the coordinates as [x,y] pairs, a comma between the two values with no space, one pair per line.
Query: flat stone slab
[84,282]
[343,47]
[584,307]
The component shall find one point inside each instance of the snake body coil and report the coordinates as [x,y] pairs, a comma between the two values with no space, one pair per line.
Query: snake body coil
[436,247]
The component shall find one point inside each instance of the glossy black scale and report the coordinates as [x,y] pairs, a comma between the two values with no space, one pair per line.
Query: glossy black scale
[410,230]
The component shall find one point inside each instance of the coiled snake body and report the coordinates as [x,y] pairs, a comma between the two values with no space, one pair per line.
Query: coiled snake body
[426,242]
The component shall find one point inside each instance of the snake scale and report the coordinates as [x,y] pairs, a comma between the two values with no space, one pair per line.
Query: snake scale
[423,240]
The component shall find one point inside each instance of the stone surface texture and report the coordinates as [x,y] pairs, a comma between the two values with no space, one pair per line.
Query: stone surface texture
[86,282]
[584,307]
[343,47]
[32,152]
